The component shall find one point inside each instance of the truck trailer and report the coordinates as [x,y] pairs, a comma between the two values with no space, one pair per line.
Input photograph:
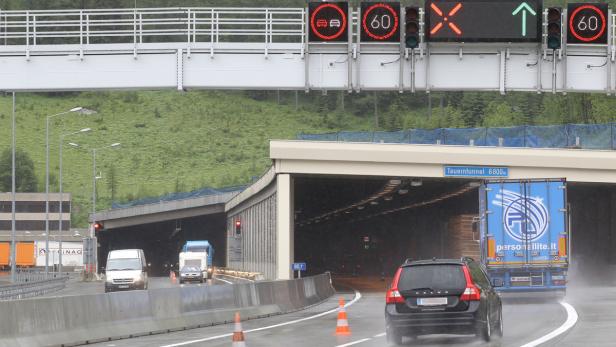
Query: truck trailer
[524,234]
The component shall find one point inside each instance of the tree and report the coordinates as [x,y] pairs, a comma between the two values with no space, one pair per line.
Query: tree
[25,178]
[500,114]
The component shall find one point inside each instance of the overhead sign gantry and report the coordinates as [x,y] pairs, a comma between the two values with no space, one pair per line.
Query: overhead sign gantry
[475,45]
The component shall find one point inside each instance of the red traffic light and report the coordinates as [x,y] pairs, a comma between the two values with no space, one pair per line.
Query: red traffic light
[238,223]
[98,226]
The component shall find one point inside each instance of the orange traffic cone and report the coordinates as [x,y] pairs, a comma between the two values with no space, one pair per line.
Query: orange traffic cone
[172,276]
[342,326]
[238,334]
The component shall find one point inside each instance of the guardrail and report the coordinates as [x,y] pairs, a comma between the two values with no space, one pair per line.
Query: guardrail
[86,319]
[29,288]
[147,25]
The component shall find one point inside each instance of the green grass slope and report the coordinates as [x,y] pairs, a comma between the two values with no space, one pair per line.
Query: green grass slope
[171,141]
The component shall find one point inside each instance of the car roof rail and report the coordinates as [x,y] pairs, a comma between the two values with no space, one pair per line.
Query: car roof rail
[408,260]
[463,259]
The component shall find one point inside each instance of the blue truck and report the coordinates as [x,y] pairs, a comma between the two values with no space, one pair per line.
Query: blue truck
[202,246]
[524,234]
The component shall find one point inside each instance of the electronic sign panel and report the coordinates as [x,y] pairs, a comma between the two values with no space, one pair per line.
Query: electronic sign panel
[380,22]
[483,21]
[587,23]
[328,21]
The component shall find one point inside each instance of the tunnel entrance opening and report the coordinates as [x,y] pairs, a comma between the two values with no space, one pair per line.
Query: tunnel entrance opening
[162,241]
[365,227]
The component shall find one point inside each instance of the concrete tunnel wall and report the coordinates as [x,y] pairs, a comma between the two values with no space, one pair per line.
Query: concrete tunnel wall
[254,249]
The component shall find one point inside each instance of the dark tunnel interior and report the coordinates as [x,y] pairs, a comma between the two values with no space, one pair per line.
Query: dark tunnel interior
[371,232]
[161,242]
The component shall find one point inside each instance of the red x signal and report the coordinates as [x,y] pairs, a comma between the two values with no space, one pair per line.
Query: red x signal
[445,19]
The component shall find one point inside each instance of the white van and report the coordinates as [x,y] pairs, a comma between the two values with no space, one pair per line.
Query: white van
[126,269]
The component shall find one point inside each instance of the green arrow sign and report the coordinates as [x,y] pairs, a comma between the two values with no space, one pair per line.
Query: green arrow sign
[524,7]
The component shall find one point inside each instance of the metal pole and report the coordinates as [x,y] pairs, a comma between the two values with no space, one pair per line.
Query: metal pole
[60,209]
[13,255]
[47,197]
[93,189]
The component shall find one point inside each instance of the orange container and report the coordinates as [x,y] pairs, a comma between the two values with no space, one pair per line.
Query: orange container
[5,250]
[25,254]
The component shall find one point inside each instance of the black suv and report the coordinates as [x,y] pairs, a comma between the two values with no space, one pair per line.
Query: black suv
[442,296]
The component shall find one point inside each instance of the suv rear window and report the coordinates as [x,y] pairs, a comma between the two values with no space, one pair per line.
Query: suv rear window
[434,276]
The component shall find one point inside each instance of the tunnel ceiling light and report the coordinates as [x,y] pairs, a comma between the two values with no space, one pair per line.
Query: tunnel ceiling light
[374,202]
[395,182]
[416,182]
[360,207]
[388,198]
[403,191]
[460,191]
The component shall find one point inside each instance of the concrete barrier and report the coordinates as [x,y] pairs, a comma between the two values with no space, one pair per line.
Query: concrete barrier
[72,320]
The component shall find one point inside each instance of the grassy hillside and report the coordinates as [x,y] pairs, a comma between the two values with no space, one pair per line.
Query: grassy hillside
[170,141]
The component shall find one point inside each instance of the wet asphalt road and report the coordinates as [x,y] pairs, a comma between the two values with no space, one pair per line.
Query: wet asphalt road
[524,322]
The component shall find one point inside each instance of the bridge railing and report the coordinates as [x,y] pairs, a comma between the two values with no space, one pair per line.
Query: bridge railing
[190,25]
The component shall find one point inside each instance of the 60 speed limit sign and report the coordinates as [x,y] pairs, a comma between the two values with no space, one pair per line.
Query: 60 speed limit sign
[380,22]
[587,23]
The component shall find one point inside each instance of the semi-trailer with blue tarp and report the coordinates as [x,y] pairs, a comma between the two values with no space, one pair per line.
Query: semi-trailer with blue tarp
[525,233]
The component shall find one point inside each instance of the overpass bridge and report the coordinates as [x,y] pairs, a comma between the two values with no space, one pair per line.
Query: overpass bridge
[318,194]
[274,48]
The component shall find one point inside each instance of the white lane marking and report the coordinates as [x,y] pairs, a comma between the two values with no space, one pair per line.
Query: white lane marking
[220,279]
[354,342]
[572,318]
[241,278]
[357,297]
[362,340]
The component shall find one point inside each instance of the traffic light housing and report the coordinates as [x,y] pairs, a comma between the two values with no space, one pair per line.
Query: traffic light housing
[554,28]
[411,25]
[238,227]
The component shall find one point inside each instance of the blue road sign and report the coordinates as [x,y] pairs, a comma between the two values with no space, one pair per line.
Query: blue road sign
[299,266]
[475,171]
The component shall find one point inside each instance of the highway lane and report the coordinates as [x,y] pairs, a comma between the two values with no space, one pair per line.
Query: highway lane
[596,308]
[75,286]
[523,322]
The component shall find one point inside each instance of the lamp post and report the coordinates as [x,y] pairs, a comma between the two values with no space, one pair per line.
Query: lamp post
[113,145]
[84,130]
[13,254]
[48,118]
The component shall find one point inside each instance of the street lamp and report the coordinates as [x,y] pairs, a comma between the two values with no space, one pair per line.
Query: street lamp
[48,118]
[113,145]
[84,130]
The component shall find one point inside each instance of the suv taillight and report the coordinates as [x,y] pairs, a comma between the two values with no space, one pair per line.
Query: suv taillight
[471,292]
[393,295]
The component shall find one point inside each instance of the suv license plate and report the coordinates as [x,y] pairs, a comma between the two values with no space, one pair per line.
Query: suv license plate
[123,286]
[431,301]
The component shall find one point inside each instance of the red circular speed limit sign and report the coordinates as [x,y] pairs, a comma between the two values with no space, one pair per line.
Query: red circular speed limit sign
[587,23]
[328,21]
[380,22]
